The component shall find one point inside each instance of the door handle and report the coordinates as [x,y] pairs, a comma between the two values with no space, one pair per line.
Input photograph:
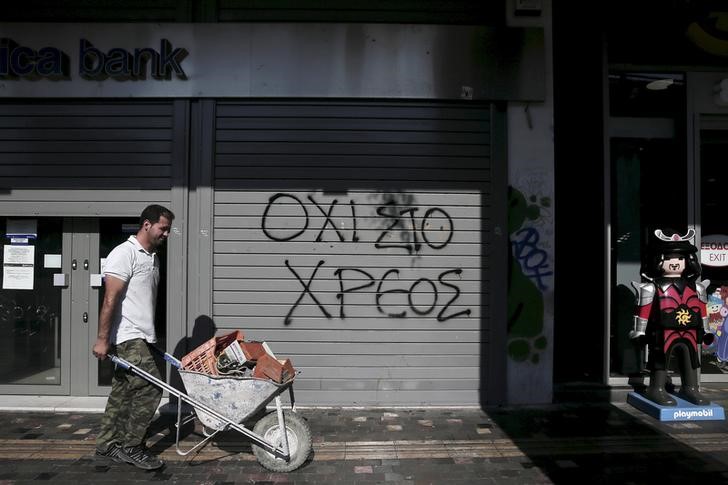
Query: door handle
[74,264]
[85,264]
[85,317]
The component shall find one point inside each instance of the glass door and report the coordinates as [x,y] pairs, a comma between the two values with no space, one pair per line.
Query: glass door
[713,183]
[112,232]
[50,297]
[649,189]
[648,193]
[34,338]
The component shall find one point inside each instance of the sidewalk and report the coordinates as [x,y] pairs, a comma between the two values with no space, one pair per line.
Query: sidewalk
[588,443]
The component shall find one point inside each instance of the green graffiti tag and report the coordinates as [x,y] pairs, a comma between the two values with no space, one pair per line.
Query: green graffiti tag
[525,297]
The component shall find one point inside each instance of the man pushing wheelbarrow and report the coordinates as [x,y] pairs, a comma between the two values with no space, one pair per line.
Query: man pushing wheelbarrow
[228,387]
[221,402]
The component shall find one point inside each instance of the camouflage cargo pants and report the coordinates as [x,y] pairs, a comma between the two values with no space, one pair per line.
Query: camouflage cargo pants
[132,401]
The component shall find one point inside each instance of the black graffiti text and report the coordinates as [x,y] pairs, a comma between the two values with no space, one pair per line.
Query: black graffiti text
[306,290]
[403,228]
[386,285]
[410,241]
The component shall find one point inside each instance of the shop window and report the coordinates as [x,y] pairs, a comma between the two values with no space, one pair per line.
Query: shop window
[649,190]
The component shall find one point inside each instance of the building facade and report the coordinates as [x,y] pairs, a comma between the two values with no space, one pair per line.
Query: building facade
[370,192]
[641,123]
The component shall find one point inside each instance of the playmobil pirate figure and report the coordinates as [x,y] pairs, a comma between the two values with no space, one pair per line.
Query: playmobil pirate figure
[671,314]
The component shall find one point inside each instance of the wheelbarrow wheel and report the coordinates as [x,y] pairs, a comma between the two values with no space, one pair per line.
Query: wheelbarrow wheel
[299,441]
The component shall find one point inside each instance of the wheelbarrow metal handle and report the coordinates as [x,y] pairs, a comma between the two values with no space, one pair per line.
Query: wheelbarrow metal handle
[119,362]
[168,357]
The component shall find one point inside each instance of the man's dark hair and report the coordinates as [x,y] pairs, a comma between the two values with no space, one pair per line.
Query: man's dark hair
[153,213]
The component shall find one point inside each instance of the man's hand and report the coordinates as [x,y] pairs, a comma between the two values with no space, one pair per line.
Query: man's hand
[101,349]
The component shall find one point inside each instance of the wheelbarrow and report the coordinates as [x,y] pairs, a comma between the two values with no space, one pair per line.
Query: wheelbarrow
[224,403]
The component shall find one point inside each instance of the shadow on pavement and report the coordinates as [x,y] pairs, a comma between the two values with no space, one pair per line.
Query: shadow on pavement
[601,443]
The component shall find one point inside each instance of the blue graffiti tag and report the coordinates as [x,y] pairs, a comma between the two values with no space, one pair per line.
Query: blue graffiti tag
[533,260]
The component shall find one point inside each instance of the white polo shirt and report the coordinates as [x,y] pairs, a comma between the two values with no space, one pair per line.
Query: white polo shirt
[134,317]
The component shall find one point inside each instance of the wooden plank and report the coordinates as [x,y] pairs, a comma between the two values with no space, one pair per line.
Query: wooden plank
[420,299]
[396,362]
[381,348]
[309,135]
[389,173]
[385,372]
[451,384]
[308,392]
[114,183]
[258,326]
[412,196]
[366,182]
[359,160]
[347,110]
[364,236]
[365,246]
[73,146]
[131,206]
[343,214]
[287,312]
[287,204]
[55,158]
[327,273]
[363,261]
[96,122]
[367,243]
[85,134]
[83,171]
[83,195]
[353,337]
[359,148]
[386,124]
[368,211]
[253,285]
[95,14]
[84,109]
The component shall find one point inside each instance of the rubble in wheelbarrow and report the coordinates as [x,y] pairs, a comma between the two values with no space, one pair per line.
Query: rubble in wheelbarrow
[231,355]
[277,370]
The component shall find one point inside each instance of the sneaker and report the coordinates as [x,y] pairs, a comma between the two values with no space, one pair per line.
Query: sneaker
[111,452]
[140,457]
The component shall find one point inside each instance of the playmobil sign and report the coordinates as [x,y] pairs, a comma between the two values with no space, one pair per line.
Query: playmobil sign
[683,414]
[714,250]
[94,64]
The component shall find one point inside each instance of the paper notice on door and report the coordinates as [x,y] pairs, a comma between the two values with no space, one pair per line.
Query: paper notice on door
[18,254]
[18,267]
[17,277]
[52,261]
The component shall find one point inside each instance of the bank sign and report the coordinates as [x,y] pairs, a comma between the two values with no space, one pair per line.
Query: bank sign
[278,59]
[22,61]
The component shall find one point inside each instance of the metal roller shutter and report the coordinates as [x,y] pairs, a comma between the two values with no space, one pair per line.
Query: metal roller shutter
[352,236]
[85,157]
